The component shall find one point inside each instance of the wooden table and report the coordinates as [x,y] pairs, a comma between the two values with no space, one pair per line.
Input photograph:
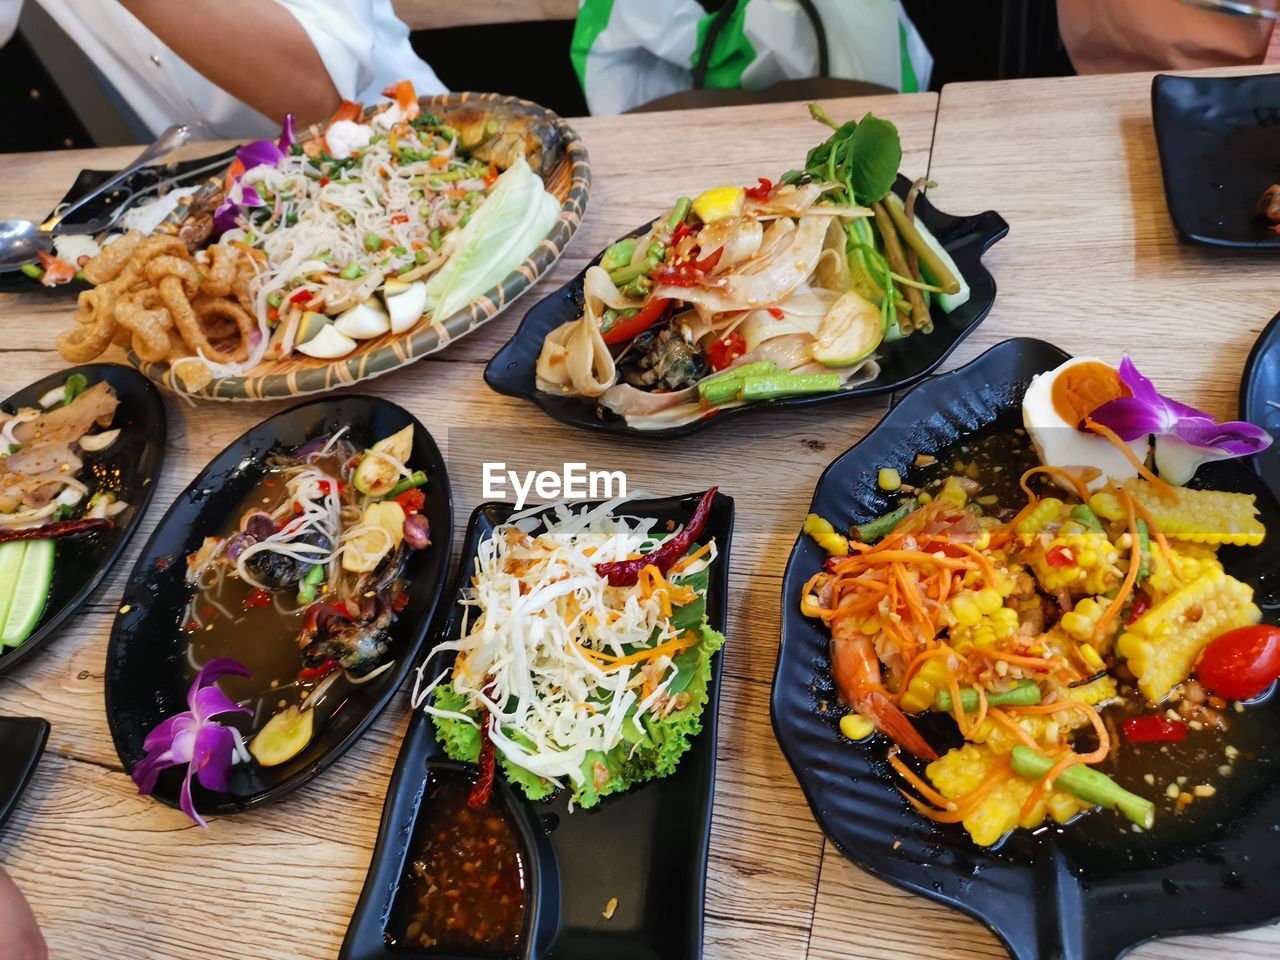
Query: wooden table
[114,875]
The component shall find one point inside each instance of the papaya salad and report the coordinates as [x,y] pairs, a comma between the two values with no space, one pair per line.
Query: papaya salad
[386,218]
[755,293]
[1061,600]
[584,657]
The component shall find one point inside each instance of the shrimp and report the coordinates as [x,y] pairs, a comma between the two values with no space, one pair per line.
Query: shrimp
[856,669]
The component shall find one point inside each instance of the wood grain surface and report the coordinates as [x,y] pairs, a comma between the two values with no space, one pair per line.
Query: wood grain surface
[115,875]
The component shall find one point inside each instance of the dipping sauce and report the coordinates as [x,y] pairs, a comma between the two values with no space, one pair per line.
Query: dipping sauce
[464,890]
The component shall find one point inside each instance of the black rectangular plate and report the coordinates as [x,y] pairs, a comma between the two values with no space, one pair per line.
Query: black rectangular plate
[1219,144]
[646,847]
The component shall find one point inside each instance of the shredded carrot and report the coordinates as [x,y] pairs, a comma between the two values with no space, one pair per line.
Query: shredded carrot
[1110,435]
[1035,663]
[1131,576]
[1058,473]
[984,564]
[684,562]
[961,807]
[251,251]
[1158,536]
[438,161]
[917,662]
[1014,727]
[640,656]
[921,785]
[957,707]
[1045,784]
[983,707]
[902,556]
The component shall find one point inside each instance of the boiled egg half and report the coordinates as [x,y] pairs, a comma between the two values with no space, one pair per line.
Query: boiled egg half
[1056,404]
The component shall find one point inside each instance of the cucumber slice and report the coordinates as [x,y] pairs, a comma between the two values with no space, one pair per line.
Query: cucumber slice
[11,555]
[31,593]
[946,301]
[849,332]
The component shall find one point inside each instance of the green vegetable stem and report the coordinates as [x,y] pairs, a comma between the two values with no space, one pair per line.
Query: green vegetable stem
[1091,786]
[1024,694]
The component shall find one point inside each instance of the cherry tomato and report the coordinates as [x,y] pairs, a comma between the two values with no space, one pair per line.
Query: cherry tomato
[1241,663]
[1154,729]
[727,349]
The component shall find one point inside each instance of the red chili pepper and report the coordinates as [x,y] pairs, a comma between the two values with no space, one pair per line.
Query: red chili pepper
[1154,729]
[624,328]
[259,598]
[412,500]
[707,264]
[273,314]
[727,349]
[1141,604]
[331,486]
[300,296]
[51,531]
[1060,557]
[682,231]
[324,181]
[624,573]
[491,176]
[762,191]
[318,673]
[399,218]
[400,602]
[776,313]
[482,789]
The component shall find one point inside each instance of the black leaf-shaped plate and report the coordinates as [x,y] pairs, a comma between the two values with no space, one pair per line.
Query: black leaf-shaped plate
[129,468]
[1217,142]
[1260,398]
[137,188]
[147,671]
[646,847]
[22,740]
[1087,891]
[511,371]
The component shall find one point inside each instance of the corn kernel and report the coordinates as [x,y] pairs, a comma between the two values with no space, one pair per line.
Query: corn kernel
[983,541]
[1091,656]
[1076,624]
[924,497]
[965,611]
[888,479]
[988,600]
[856,727]
[809,605]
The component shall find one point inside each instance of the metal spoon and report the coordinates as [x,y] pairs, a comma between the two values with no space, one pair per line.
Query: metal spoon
[21,240]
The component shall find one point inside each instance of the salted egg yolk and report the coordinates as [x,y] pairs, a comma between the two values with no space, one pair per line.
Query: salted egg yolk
[1082,388]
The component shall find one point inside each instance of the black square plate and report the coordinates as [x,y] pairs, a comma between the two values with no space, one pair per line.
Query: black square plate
[646,847]
[1219,143]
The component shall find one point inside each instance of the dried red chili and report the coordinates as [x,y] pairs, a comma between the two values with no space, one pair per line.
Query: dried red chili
[483,788]
[52,531]
[624,573]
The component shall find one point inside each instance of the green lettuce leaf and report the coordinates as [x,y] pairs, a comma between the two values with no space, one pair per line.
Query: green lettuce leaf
[639,756]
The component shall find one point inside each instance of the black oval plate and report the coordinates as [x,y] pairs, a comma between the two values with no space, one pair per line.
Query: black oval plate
[146,671]
[1090,890]
[23,739]
[647,847]
[130,468]
[1260,398]
[511,371]
[1216,137]
[185,173]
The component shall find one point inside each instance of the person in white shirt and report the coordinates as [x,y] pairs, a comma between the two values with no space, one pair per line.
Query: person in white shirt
[234,68]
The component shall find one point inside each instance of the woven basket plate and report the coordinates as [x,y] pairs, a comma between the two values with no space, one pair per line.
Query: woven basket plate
[554,151]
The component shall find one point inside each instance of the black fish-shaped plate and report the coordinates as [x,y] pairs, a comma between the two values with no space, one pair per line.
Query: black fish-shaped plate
[511,371]
[646,847]
[1217,142]
[137,189]
[147,672]
[1260,398]
[1089,890]
[129,468]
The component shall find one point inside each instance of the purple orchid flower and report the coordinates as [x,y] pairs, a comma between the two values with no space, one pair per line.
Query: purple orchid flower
[240,196]
[1185,437]
[195,738]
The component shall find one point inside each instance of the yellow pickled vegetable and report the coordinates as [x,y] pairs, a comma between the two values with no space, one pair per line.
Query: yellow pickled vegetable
[825,536]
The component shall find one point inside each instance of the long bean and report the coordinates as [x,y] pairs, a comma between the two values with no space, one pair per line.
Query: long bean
[1090,785]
